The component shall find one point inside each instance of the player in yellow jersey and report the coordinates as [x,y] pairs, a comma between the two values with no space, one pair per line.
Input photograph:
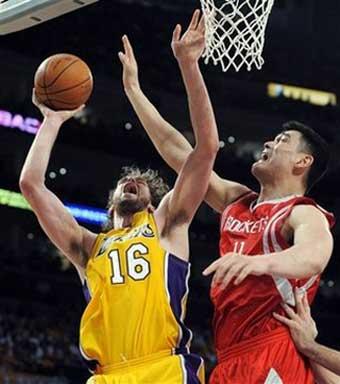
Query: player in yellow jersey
[135,274]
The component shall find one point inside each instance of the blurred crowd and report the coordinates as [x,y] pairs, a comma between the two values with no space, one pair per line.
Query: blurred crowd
[35,339]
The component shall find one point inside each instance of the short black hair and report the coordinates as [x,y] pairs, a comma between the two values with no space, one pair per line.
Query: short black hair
[316,146]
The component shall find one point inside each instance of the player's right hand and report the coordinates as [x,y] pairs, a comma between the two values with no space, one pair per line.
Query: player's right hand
[60,116]
[189,48]
[130,67]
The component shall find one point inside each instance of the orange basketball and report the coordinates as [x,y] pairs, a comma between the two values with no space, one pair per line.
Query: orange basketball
[63,82]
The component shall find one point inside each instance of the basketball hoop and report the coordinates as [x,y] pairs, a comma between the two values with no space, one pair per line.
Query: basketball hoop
[235,32]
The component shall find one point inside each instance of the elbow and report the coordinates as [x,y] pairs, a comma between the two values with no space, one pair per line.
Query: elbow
[318,266]
[209,148]
[215,147]
[28,185]
[325,253]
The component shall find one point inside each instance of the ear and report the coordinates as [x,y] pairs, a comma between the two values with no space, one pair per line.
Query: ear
[303,163]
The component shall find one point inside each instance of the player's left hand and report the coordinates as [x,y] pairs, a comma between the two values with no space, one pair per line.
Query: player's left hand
[130,66]
[60,116]
[236,266]
[300,322]
[189,47]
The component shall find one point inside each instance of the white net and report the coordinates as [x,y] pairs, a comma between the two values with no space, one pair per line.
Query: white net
[235,32]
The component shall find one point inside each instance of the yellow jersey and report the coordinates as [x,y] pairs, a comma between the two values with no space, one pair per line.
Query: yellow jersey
[137,294]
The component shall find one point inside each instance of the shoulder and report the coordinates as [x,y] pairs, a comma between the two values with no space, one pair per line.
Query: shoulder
[307,213]
[305,206]
[90,239]
[245,200]
[161,213]
[165,220]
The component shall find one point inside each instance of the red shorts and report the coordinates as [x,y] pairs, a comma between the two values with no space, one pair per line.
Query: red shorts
[269,359]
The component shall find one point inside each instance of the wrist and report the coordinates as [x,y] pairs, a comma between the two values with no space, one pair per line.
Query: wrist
[268,264]
[132,88]
[53,120]
[309,349]
[187,63]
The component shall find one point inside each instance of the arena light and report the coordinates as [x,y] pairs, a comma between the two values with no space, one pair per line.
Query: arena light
[82,213]
[17,121]
[87,214]
[16,15]
[311,96]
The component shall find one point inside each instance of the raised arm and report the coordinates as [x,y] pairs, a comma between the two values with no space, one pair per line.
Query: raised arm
[73,240]
[325,361]
[170,143]
[193,179]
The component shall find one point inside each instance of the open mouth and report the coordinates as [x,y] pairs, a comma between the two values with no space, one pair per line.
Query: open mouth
[264,156]
[131,188]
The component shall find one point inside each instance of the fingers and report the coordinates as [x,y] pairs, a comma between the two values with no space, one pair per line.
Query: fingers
[34,98]
[219,274]
[283,319]
[290,312]
[302,305]
[122,57]
[212,267]
[201,25]
[127,46]
[298,301]
[226,278]
[305,304]
[242,275]
[177,33]
[79,109]
[195,19]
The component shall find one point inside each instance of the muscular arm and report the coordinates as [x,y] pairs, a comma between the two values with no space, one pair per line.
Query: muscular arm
[193,179]
[312,249]
[327,376]
[170,143]
[59,225]
[313,244]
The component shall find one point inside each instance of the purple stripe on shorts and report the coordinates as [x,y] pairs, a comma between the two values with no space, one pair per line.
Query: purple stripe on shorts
[192,363]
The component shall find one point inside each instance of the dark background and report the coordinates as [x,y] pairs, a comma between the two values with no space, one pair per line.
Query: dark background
[40,297]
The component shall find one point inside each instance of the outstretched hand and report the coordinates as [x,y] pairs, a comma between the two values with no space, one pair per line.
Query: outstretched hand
[130,67]
[48,113]
[189,48]
[236,267]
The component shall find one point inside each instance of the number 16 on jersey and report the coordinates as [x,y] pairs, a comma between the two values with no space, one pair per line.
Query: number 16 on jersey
[138,267]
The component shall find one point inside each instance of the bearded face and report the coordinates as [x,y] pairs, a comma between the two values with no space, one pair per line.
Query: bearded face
[131,195]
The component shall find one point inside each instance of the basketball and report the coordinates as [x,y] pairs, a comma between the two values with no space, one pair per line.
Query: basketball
[63,82]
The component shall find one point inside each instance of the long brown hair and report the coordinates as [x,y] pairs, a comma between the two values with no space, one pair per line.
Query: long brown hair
[158,189]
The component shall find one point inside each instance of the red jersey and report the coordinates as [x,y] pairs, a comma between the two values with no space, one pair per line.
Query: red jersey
[250,228]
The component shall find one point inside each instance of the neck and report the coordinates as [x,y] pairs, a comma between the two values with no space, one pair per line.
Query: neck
[271,192]
[120,222]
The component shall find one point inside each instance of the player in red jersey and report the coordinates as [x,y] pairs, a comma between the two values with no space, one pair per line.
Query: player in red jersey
[269,248]
[271,242]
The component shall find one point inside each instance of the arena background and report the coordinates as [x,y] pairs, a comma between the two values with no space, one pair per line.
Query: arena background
[40,296]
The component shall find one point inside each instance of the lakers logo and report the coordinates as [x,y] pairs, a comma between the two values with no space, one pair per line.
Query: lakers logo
[142,231]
